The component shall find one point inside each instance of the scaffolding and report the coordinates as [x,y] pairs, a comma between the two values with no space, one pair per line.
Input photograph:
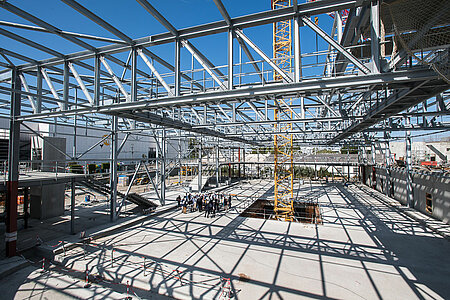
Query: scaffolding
[283,149]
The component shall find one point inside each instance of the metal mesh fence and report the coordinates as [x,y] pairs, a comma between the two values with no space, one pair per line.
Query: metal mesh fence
[421,30]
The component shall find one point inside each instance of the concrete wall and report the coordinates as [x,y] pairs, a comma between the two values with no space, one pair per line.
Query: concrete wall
[47,201]
[423,182]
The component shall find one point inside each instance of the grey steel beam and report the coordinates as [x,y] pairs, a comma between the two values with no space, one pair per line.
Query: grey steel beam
[206,64]
[80,83]
[27,89]
[286,90]
[15,10]
[251,59]
[252,20]
[68,33]
[155,13]
[335,45]
[93,17]
[155,72]
[223,12]
[241,34]
[115,79]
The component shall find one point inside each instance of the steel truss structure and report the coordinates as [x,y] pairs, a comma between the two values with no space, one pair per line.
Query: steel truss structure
[377,73]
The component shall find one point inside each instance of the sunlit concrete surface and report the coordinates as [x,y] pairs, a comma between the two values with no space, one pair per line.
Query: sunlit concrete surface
[365,249]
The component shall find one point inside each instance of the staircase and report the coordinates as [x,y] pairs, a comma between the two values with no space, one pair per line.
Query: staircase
[104,189]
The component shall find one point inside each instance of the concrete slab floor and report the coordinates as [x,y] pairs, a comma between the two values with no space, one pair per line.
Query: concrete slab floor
[365,249]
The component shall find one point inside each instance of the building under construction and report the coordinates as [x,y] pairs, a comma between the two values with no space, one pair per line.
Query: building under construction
[280,149]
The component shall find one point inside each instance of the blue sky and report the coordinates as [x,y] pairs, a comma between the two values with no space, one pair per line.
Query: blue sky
[129,17]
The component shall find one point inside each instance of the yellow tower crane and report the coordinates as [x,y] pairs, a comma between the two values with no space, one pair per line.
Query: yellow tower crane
[283,149]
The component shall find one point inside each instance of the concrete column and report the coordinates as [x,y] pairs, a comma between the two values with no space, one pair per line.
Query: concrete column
[113,169]
[409,187]
[13,166]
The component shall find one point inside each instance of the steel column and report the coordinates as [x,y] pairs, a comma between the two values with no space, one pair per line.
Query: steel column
[230,58]
[134,86]
[297,51]
[409,185]
[72,206]
[97,71]
[163,167]
[66,81]
[13,166]
[217,164]
[200,165]
[177,67]
[113,168]
[375,35]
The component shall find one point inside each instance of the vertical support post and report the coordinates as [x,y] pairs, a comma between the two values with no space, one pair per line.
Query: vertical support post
[177,66]
[113,169]
[179,155]
[134,75]
[200,165]
[239,163]
[163,167]
[39,90]
[25,206]
[297,50]
[72,206]
[217,163]
[66,80]
[338,17]
[372,150]
[387,163]
[13,166]
[97,68]
[74,146]
[230,58]
[409,187]
[243,159]
[375,35]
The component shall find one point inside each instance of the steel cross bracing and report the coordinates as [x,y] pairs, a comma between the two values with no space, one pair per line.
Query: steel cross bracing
[210,100]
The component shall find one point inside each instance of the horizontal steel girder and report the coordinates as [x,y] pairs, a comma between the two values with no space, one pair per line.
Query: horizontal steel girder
[306,87]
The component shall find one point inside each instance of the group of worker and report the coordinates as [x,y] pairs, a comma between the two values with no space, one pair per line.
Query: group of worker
[210,203]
